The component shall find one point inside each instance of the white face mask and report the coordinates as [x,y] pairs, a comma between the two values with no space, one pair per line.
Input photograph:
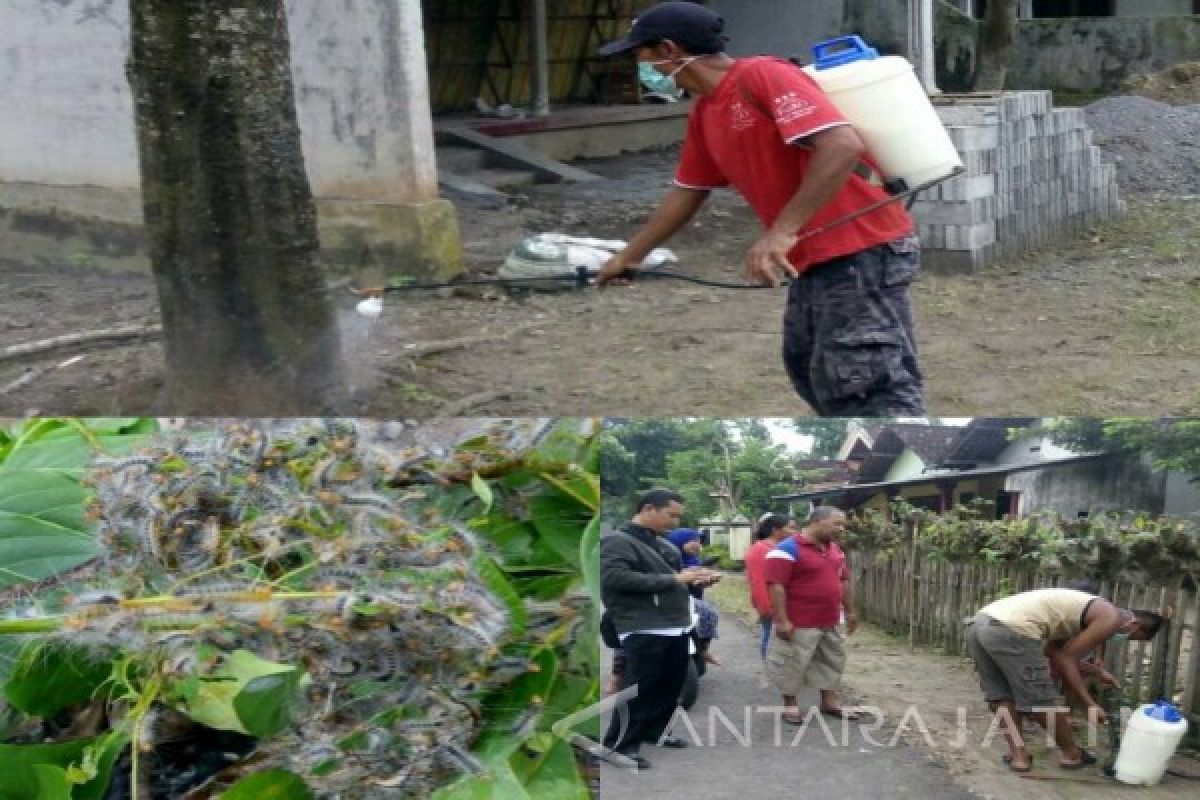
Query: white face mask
[677,69]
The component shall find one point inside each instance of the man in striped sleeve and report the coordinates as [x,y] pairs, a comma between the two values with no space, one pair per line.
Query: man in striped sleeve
[809,585]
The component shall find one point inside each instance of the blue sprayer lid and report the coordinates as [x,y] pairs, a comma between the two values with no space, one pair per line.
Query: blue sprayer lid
[1164,711]
[830,53]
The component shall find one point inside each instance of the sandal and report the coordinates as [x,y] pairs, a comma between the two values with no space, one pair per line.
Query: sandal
[1008,761]
[1085,759]
[841,713]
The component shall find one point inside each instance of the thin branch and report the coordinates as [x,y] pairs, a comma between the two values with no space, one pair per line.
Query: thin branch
[105,336]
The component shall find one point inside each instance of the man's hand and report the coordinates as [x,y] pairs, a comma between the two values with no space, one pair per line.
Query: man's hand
[1107,679]
[767,260]
[784,630]
[692,575]
[616,270]
[851,623]
[1097,713]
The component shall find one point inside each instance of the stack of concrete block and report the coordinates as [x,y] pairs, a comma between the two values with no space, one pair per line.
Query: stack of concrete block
[1032,176]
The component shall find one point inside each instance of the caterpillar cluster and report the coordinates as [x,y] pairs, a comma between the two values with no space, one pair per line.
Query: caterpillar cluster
[285,539]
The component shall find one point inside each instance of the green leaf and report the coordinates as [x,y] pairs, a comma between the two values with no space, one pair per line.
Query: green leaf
[513,539]
[584,488]
[42,531]
[246,694]
[499,783]
[19,774]
[271,784]
[495,580]
[101,756]
[505,709]
[589,558]
[560,520]
[65,451]
[52,783]
[483,491]
[48,679]
[556,775]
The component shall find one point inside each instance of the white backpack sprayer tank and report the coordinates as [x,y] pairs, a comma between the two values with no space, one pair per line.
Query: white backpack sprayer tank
[1153,733]
[882,98]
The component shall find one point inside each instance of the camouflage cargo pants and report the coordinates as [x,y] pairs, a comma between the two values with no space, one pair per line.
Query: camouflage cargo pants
[848,342]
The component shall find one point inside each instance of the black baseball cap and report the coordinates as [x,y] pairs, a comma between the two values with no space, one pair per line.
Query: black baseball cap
[689,25]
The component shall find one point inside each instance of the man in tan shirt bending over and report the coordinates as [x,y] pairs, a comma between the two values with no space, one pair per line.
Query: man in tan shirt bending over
[1013,642]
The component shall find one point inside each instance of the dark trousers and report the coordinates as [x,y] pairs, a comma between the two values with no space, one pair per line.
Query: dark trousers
[848,342]
[658,665]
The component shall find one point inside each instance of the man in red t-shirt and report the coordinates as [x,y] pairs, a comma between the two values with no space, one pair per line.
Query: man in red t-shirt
[764,127]
[809,586]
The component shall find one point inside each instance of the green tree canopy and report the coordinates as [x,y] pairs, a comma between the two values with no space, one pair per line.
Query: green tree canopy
[1170,443]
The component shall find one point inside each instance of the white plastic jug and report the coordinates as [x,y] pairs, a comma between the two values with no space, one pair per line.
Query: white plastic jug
[884,101]
[1153,733]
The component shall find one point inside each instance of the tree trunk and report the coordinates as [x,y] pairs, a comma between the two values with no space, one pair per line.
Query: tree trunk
[248,325]
[997,38]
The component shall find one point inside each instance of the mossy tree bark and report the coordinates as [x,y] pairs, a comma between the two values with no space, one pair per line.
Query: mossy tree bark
[997,43]
[248,326]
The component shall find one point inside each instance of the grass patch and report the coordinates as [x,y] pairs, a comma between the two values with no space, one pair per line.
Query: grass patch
[732,596]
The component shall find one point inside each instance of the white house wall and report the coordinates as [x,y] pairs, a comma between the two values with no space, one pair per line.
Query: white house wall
[361,96]
[1109,484]
[1031,450]
[908,465]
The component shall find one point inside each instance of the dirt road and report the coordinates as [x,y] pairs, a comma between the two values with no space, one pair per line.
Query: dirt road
[762,761]
[932,704]
[1100,324]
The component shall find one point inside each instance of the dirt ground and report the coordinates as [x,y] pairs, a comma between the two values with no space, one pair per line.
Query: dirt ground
[921,687]
[1099,324]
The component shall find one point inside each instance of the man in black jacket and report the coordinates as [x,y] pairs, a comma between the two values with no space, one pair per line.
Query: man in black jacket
[646,596]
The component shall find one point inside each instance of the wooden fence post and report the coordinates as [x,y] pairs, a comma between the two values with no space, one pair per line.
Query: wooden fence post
[916,585]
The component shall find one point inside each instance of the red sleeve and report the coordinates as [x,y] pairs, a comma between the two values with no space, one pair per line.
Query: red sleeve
[843,570]
[793,99]
[696,169]
[777,570]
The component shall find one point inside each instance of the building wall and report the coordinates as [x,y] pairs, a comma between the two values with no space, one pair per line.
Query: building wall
[68,110]
[1119,483]
[1183,496]
[1153,8]
[780,27]
[1075,53]
[1031,450]
[1098,53]
[908,465]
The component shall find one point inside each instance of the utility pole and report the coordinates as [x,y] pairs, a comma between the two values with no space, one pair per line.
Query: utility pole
[920,43]
[539,59]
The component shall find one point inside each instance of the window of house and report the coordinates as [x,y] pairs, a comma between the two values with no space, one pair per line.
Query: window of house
[1073,8]
[1042,9]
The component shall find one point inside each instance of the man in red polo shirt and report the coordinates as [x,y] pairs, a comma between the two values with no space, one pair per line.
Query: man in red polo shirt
[765,128]
[809,586]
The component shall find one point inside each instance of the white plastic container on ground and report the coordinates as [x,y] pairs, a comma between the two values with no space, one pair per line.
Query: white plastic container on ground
[1153,733]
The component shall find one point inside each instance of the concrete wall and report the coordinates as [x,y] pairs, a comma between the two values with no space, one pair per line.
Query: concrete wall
[1153,8]
[780,27]
[68,111]
[1078,53]
[1183,495]
[1097,53]
[1120,483]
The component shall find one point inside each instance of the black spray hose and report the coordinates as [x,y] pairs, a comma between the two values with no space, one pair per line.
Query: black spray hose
[583,277]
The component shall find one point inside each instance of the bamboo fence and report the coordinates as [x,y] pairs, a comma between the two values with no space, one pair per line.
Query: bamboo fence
[931,601]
